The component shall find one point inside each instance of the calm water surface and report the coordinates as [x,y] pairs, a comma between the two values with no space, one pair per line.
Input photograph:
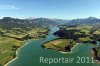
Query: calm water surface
[30,54]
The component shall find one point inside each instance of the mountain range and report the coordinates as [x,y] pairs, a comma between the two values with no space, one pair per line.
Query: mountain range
[85,21]
[8,22]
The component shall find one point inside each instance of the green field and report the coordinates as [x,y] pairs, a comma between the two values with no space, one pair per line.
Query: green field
[12,39]
[60,44]
[7,51]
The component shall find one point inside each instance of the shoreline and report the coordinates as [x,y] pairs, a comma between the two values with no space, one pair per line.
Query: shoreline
[16,54]
[17,51]
[94,55]
[61,51]
[71,49]
[26,42]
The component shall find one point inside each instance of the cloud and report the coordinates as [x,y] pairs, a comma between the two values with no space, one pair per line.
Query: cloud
[8,7]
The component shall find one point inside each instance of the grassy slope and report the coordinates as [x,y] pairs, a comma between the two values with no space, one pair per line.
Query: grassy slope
[59,44]
[6,52]
[6,42]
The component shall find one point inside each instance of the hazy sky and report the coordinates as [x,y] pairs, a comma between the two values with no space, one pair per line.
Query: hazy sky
[63,9]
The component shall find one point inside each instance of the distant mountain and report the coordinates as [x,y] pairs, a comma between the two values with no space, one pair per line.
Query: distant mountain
[86,21]
[8,22]
[60,21]
[44,22]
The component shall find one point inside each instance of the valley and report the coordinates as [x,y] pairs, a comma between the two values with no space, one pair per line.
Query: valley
[14,33]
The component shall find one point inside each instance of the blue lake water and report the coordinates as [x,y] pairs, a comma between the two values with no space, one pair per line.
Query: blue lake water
[30,54]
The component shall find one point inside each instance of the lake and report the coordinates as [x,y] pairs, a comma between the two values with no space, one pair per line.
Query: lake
[30,54]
